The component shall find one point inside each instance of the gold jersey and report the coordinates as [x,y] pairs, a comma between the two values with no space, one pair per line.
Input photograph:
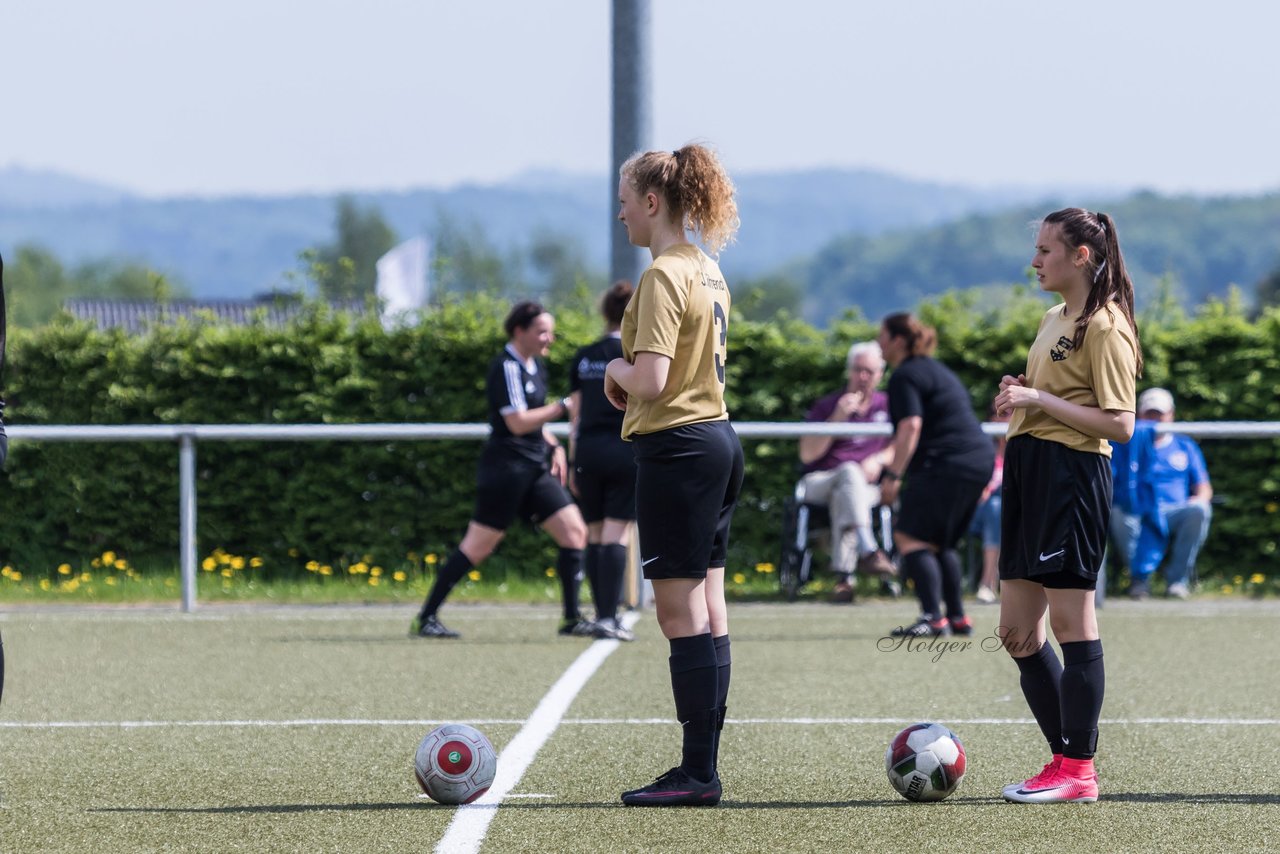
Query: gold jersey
[680,309]
[1101,374]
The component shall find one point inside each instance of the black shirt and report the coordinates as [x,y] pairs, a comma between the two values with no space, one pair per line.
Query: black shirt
[510,387]
[951,439]
[596,415]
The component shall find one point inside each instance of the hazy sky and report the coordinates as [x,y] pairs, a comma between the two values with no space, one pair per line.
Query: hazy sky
[268,96]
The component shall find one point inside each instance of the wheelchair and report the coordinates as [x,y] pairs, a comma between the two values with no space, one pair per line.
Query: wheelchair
[802,524]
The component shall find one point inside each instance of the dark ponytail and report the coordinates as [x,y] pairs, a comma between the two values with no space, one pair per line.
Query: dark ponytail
[921,340]
[1111,282]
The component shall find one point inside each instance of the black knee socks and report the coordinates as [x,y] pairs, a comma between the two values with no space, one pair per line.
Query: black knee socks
[923,569]
[695,685]
[569,569]
[450,574]
[591,563]
[1041,675]
[613,568]
[1082,689]
[724,662]
[952,583]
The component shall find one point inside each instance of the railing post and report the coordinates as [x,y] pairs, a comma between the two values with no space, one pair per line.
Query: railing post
[187,518]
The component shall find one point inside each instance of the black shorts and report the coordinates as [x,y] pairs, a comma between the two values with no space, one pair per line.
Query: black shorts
[1055,512]
[604,473]
[687,483]
[936,508]
[512,488]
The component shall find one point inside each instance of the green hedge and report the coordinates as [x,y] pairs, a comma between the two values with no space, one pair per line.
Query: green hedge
[340,502]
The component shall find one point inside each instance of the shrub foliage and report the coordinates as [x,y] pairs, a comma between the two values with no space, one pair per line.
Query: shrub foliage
[342,502]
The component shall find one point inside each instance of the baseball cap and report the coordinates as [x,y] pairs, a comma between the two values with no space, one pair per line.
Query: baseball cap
[1155,400]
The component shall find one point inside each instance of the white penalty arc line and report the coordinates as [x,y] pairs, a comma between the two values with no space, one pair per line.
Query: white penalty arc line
[423,722]
[471,822]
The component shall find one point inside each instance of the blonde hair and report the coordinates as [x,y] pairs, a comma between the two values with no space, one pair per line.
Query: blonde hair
[695,186]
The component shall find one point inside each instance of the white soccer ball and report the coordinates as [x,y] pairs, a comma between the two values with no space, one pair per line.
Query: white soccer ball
[925,762]
[455,764]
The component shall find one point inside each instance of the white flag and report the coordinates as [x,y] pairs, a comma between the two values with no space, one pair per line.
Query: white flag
[402,278]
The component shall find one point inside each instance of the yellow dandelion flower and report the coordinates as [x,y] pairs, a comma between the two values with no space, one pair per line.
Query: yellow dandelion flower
[474,575]
[86,577]
[237,563]
[15,575]
[739,578]
[429,560]
[208,564]
[551,572]
[375,571]
[1257,578]
[46,584]
[6,570]
[398,575]
[121,563]
[111,581]
[326,569]
[374,581]
[412,557]
[1272,507]
[1238,580]
[1227,588]
[227,572]
[293,552]
[108,558]
[360,568]
[95,563]
[313,565]
[223,557]
[64,569]
[764,567]
[255,562]
[70,585]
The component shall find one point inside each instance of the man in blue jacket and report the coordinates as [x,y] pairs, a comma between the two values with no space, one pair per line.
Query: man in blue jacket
[1162,500]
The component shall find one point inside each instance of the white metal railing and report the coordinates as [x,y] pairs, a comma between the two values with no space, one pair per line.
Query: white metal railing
[187,435]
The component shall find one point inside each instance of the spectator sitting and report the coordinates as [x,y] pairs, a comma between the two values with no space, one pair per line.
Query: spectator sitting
[986,522]
[842,471]
[1177,482]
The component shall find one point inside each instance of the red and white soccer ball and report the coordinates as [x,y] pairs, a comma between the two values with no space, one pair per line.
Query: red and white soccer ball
[925,762]
[455,764]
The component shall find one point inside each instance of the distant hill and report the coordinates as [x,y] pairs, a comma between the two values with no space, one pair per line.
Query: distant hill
[39,189]
[240,246]
[1206,244]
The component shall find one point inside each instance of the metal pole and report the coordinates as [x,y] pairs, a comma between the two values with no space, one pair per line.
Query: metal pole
[187,518]
[631,121]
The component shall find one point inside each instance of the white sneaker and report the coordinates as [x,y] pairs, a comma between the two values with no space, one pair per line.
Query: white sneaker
[986,595]
[1179,590]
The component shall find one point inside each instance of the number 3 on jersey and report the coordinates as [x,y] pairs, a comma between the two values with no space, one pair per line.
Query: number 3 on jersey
[722,321]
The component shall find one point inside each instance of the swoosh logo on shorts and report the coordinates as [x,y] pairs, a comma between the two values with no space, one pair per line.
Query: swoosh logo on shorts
[1044,557]
[649,561]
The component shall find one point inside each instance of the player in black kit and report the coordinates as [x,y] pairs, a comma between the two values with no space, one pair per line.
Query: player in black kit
[603,469]
[514,478]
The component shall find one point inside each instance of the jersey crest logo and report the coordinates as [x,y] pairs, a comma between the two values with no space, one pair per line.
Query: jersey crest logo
[1061,349]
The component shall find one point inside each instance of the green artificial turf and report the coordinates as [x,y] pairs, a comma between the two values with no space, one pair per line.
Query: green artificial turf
[258,728]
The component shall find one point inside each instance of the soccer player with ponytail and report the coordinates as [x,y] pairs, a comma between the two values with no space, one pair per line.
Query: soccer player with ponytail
[1077,395]
[670,383]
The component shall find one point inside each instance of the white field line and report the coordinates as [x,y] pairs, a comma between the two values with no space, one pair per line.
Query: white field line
[424,722]
[471,822]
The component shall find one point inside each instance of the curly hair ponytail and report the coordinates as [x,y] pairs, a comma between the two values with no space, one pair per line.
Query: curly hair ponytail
[695,186]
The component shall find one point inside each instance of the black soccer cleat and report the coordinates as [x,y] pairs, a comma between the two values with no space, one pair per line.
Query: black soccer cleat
[431,627]
[675,789]
[577,627]
[923,627]
[611,629]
